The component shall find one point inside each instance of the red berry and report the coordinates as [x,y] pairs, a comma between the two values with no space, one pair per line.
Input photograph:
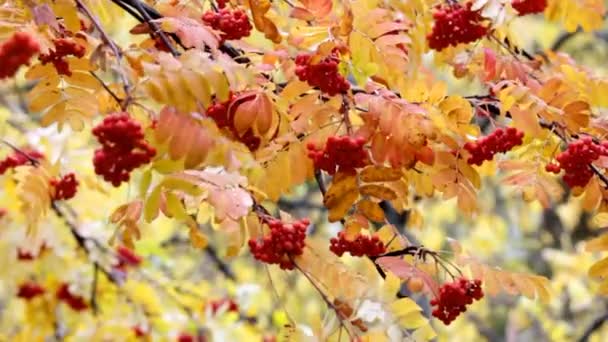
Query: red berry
[285,240]
[232,306]
[359,246]
[524,7]
[127,257]
[15,52]
[576,159]
[124,148]
[18,158]
[499,141]
[75,302]
[30,290]
[323,74]
[218,111]
[455,24]
[139,331]
[453,298]
[343,153]
[63,48]
[233,24]
[64,188]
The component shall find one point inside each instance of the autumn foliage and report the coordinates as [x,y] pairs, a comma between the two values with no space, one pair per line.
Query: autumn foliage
[308,170]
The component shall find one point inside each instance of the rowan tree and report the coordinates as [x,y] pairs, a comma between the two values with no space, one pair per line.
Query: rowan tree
[302,170]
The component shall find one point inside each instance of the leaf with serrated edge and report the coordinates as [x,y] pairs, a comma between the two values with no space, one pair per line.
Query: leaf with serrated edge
[378,191]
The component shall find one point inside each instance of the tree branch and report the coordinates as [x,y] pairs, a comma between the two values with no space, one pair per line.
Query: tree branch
[144,11]
[108,41]
[595,325]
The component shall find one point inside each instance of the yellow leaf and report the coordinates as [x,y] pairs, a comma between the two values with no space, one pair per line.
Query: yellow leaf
[576,115]
[259,8]
[598,244]
[174,206]
[377,173]
[152,204]
[198,239]
[600,220]
[341,184]
[599,269]
[341,205]
[378,191]
[524,285]
[371,210]
[404,306]
[603,289]
[413,320]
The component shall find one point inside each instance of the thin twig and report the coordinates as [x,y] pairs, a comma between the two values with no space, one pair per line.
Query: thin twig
[110,43]
[154,27]
[105,86]
[221,265]
[325,299]
[94,304]
[81,240]
[129,10]
[32,160]
[595,325]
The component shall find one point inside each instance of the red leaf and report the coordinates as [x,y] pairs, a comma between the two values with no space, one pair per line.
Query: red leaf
[405,270]
[489,64]
[302,14]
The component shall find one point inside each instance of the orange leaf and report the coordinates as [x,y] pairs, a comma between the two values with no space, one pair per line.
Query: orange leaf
[576,115]
[378,191]
[302,14]
[259,8]
[405,271]
[371,210]
[377,173]
[341,195]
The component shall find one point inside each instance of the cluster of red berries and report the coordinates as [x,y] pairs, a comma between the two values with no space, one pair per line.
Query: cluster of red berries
[75,302]
[360,246]
[524,7]
[18,158]
[64,188]
[323,75]
[233,24]
[139,331]
[15,52]
[455,24]
[454,297]
[124,148]
[284,241]
[186,337]
[126,258]
[344,153]
[218,111]
[29,290]
[501,140]
[63,48]
[575,161]
[231,305]
[26,255]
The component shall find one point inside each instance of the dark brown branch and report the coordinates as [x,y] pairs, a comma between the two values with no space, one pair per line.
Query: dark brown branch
[105,86]
[81,241]
[219,263]
[211,252]
[595,325]
[153,26]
